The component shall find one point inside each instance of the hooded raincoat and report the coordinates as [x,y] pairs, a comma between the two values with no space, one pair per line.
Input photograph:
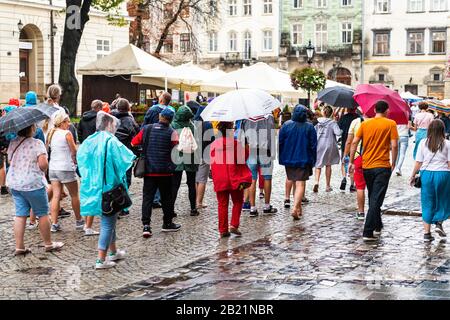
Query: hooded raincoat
[183,119]
[91,160]
[327,147]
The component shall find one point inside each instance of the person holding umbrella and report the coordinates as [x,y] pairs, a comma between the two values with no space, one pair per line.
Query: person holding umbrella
[421,123]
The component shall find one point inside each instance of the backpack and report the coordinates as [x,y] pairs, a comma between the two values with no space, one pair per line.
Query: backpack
[187,143]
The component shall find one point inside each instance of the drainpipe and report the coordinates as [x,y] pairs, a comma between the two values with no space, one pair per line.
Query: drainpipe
[362,41]
[52,45]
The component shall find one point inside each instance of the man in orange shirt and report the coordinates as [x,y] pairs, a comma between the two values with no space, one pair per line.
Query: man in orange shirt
[379,138]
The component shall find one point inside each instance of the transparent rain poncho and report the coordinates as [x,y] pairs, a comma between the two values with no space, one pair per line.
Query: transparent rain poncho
[107,122]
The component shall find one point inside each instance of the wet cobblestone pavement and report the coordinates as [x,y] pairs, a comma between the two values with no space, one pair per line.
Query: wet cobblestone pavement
[319,257]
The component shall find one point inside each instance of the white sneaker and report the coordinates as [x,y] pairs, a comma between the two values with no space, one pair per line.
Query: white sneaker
[99,264]
[79,225]
[32,226]
[119,255]
[90,232]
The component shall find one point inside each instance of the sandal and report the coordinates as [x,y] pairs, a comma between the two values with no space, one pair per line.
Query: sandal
[296,215]
[22,252]
[54,246]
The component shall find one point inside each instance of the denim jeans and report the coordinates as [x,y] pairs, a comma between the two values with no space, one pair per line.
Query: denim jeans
[402,148]
[107,232]
[377,181]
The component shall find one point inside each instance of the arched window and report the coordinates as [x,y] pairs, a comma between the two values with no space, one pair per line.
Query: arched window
[232,41]
[247,45]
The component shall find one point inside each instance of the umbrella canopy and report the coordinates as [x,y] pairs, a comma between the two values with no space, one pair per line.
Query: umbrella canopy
[367,95]
[410,97]
[22,118]
[258,76]
[331,83]
[341,97]
[240,104]
[438,106]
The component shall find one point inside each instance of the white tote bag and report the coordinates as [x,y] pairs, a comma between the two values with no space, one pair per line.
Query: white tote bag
[187,143]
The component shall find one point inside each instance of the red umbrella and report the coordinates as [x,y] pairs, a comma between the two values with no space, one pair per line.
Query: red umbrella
[367,95]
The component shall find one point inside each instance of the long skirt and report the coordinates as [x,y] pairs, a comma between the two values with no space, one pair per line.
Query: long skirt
[435,196]
[420,135]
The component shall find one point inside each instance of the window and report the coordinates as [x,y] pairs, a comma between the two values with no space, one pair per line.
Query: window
[103,48]
[232,7]
[247,7]
[213,6]
[415,6]
[268,6]
[247,45]
[437,77]
[381,77]
[381,42]
[267,36]
[212,42]
[382,6]
[168,44]
[168,11]
[346,3]
[297,34]
[347,33]
[438,5]
[232,41]
[298,4]
[321,3]
[415,42]
[185,42]
[321,37]
[438,41]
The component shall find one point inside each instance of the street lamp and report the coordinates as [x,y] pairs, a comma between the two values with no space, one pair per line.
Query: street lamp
[310,50]
[53,32]
[19,27]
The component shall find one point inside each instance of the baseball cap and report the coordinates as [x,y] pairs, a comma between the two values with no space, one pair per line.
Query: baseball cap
[168,114]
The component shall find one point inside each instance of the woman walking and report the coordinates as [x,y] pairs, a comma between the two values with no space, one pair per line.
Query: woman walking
[183,119]
[403,132]
[62,169]
[231,176]
[103,162]
[28,162]
[327,148]
[422,121]
[298,152]
[433,161]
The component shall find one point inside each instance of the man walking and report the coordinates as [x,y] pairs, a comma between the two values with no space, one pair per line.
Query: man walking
[379,137]
[87,125]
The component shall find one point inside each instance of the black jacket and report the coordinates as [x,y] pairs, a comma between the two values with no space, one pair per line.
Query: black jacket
[127,129]
[87,125]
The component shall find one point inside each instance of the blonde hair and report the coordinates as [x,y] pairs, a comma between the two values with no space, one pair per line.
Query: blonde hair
[54,91]
[60,117]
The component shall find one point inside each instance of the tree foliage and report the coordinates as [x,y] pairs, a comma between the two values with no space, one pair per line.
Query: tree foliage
[309,79]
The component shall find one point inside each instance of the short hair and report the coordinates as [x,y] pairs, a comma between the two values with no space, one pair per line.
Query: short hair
[54,91]
[423,106]
[97,105]
[123,105]
[381,106]
[165,98]
[27,132]
[327,111]
[60,118]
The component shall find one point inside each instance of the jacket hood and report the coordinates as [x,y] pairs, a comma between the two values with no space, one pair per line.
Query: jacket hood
[89,115]
[30,99]
[120,115]
[300,114]
[182,117]
[324,121]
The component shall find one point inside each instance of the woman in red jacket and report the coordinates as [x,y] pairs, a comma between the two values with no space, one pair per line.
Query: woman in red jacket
[230,176]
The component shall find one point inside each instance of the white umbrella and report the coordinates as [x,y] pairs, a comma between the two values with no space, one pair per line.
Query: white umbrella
[409,96]
[331,83]
[240,104]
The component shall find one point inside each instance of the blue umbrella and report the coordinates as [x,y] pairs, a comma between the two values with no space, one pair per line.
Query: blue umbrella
[340,97]
[21,118]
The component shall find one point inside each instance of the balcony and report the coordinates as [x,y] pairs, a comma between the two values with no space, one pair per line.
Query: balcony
[342,51]
[232,58]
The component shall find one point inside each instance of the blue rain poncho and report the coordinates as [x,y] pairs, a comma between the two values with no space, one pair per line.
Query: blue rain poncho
[91,157]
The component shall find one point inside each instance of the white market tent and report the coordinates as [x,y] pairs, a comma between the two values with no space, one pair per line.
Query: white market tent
[258,76]
[331,83]
[409,96]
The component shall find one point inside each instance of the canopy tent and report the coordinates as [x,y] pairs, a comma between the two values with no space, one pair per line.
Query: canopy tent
[129,60]
[331,83]
[410,97]
[258,76]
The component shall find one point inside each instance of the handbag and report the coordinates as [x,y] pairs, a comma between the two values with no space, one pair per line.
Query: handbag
[417,179]
[116,199]
[140,168]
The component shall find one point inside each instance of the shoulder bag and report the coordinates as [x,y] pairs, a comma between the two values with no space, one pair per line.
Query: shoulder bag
[140,165]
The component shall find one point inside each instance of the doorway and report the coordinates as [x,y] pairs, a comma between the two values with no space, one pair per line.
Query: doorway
[24,71]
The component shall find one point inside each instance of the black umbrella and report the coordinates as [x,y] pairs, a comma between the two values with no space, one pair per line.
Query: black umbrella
[340,97]
[194,106]
[24,117]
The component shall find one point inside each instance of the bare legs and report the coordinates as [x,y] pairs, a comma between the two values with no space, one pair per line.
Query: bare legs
[299,194]
[19,231]
[201,188]
[361,199]
[327,177]
[57,188]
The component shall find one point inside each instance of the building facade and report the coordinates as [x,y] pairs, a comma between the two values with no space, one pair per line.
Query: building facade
[334,28]
[27,30]
[406,45]
[245,32]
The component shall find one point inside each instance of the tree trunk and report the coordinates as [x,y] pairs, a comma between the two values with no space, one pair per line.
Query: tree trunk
[169,23]
[69,50]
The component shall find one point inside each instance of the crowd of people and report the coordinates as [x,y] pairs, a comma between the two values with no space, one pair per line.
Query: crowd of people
[45,160]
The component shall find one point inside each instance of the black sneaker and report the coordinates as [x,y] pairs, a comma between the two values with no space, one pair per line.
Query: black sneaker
[194,212]
[261,195]
[440,230]
[287,204]
[253,213]
[305,200]
[63,213]
[156,205]
[343,184]
[352,188]
[270,209]
[360,216]
[171,227]
[147,233]
[370,238]
[4,191]
[427,237]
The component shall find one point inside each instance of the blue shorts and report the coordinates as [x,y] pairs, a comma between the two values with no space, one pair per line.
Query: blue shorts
[265,163]
[36,200]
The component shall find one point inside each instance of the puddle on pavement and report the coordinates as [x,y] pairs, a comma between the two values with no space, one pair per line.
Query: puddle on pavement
[41,271]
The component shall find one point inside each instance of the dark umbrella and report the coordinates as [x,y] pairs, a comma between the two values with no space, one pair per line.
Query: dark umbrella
[21,118]
[340,97]
[194,106]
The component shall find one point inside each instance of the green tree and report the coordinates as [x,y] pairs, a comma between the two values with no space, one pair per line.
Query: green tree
[77,15]
[308,79]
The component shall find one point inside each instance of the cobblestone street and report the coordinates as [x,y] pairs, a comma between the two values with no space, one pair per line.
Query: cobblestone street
[322,256]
